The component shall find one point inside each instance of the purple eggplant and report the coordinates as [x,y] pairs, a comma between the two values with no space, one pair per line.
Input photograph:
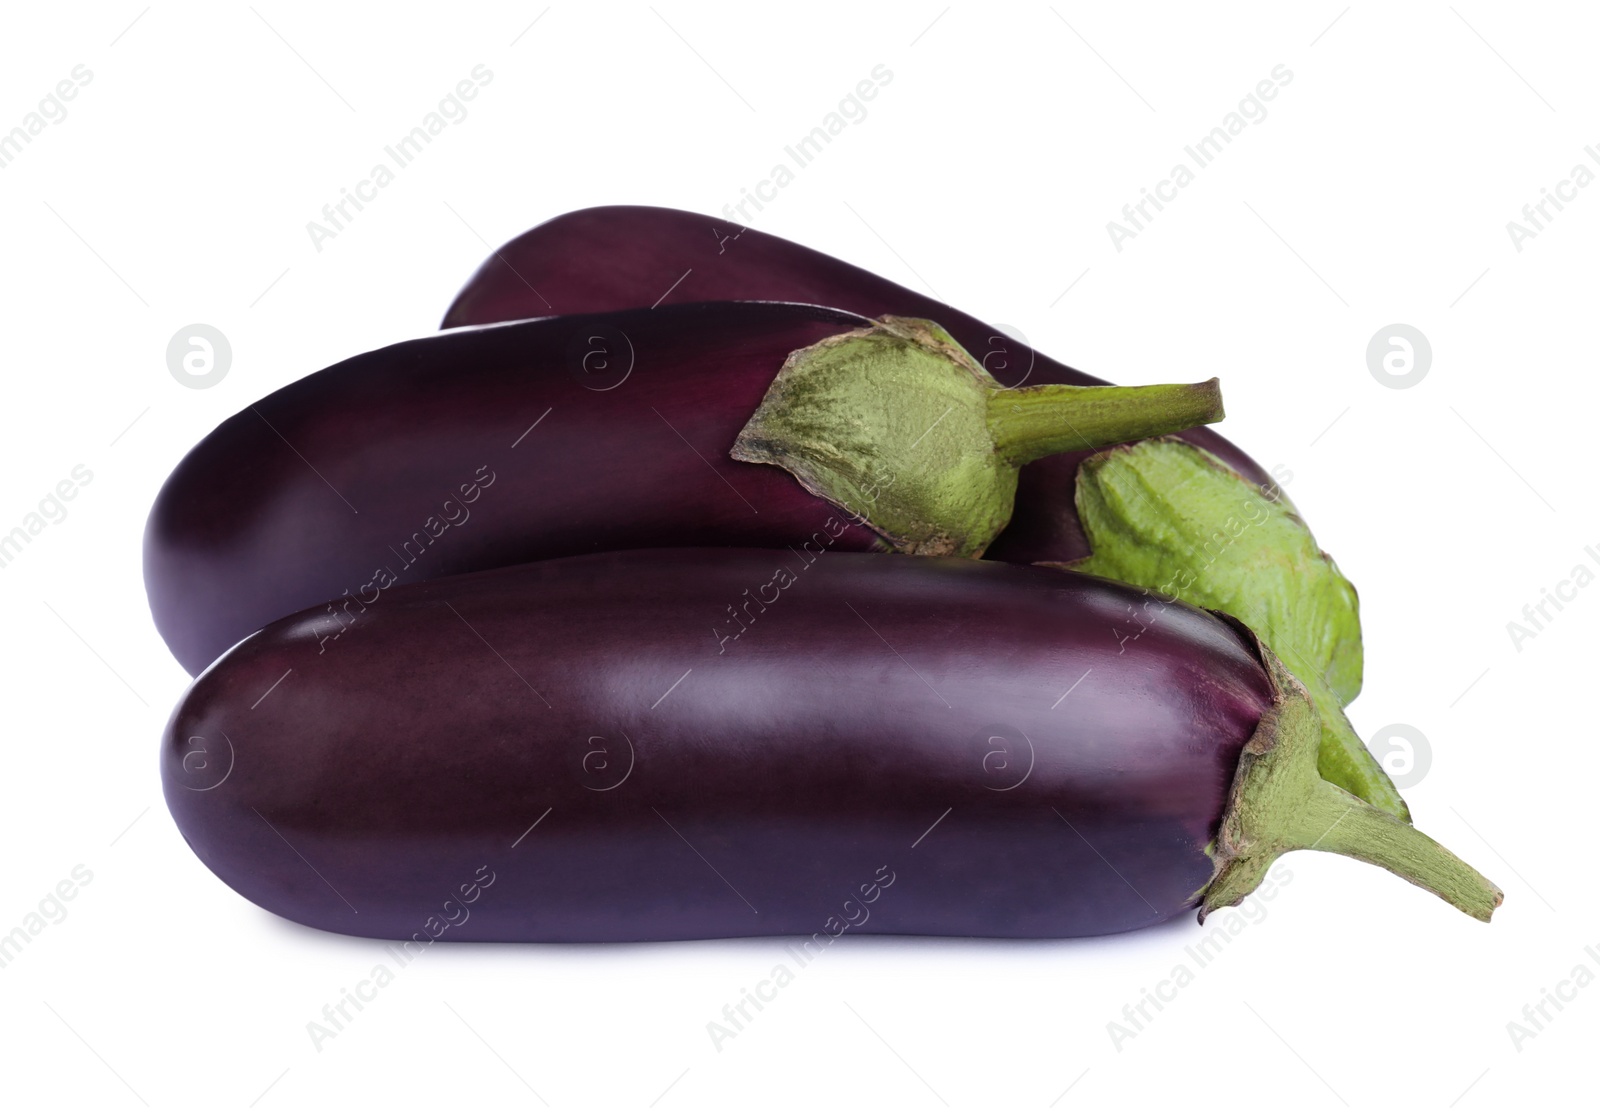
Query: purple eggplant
[494,446]
[612,257]
[698,743]
[621,256]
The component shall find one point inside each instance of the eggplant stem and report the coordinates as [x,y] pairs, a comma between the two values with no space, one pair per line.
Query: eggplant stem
[1033,422]
[1344,760]
[897,424]
[1279,803]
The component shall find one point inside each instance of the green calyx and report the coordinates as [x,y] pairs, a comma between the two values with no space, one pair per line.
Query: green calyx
[1278,803]
[897,424]
[1168,516]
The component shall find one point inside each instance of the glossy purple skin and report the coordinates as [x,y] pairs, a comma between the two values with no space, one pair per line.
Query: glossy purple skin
[327,487]
[617,256]
[577,729]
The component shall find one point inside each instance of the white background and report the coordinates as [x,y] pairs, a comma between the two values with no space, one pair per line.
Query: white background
[1376,191]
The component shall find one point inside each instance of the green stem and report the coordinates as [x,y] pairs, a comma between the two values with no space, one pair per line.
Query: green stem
[899,426]
[1340,822]
[1280,804]
[1345,760]
[1033,422]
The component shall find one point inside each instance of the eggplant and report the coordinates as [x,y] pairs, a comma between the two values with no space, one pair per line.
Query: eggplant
[700,743]
[616,256]
[552,437]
